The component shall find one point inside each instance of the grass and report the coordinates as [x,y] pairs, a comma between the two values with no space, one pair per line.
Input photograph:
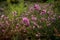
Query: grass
[19,8]
[9,8]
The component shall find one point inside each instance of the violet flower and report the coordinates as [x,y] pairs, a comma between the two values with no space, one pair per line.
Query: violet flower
[37,7]
[26,21]
[34,18]
[3,30]
[53,19]
[48,18]
[17,25]
[43,12]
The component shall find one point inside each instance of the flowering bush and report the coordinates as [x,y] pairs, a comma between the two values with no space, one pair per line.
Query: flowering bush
[35,24]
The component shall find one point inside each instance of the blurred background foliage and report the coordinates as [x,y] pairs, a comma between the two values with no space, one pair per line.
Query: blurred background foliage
[57,6]
[11,6]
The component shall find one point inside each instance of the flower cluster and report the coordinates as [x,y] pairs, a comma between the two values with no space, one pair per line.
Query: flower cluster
[34,23]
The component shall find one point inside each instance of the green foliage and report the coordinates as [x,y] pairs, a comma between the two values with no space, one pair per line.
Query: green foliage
[50,1]
[57,7]
[19,8]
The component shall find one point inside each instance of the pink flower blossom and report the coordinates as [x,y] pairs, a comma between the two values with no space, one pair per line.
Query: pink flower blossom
[34,18]
[6,18]
[43,19]
[53,19]
[48,18]
[35,24]
[26,21]
[7,23]
[43,12]
[2,16]
[31,9]
[37,7]
[3,30]
[49,24]
[59,17]
[17,26]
